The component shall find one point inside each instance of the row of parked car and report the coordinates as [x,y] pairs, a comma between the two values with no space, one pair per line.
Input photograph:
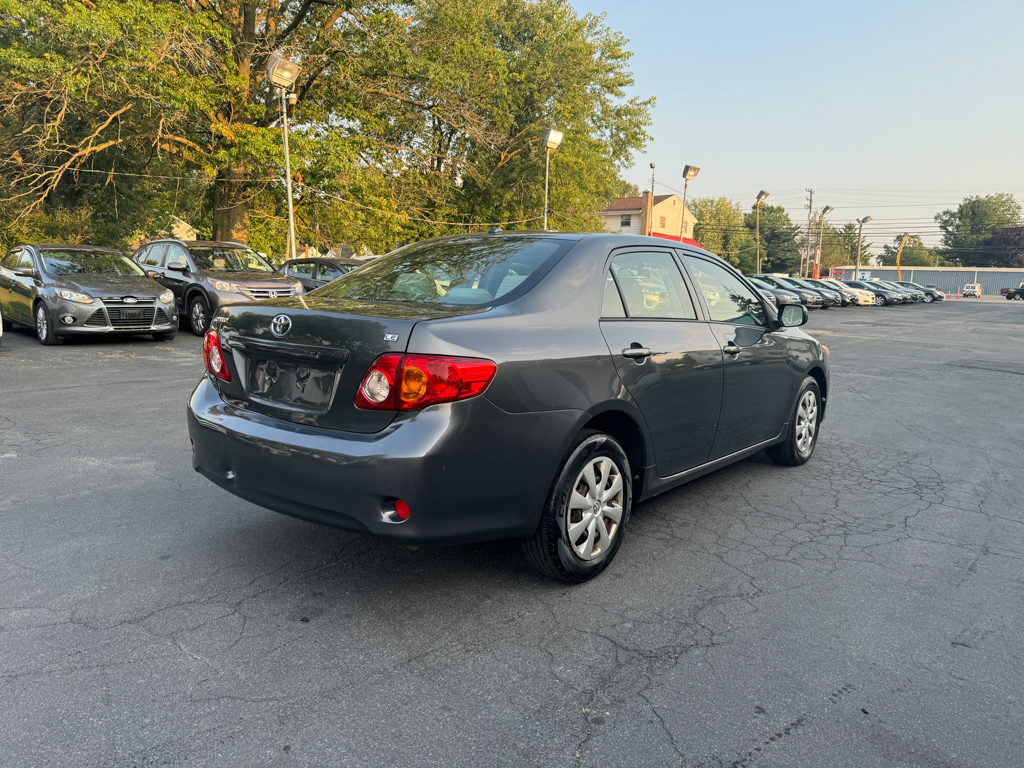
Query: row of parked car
[62,290]
[829,292]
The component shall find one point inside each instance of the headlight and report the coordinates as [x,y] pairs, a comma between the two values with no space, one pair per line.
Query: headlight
[78,298]
[220,285]
[166,297]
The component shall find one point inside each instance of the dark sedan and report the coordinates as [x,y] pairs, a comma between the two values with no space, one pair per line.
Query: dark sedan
[64,290]
[318,272]
[830,297]
[930,293]
[779,296]
[808,297]
[544,386]
[883,296]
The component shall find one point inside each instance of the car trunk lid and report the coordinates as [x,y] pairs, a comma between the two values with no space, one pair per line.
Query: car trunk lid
[303,359]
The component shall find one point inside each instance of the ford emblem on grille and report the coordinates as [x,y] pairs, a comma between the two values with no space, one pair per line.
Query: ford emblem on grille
[130,300]
[280,325]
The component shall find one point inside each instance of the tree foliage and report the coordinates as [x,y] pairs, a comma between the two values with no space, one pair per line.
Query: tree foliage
[408,115]
[720,228]
[974,220]
[915,254]
[780,250]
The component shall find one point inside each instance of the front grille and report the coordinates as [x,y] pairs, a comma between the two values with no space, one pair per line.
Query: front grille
[264,293]
[146,321]
[118,301]
[97,320]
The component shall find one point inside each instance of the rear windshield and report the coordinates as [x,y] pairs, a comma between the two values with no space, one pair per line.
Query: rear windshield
[88,263]
[464,271]
[226,259]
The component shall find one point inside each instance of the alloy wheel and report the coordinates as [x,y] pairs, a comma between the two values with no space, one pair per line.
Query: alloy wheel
[879,301]
[42,323]
[928,298]
[198,316]
[595,508]
[806,422]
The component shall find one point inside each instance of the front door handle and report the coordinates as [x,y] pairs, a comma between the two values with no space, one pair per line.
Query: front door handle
[731,348]
[636,352]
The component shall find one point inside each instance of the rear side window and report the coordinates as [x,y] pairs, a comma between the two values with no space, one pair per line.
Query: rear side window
[465,271]
[611,304]
[652,286]
[330,272]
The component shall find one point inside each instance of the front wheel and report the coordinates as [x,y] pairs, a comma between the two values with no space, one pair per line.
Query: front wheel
[199,315]
[802,434]
[44,327]
[165,336]
[587,508]
[879,301]
[928,298]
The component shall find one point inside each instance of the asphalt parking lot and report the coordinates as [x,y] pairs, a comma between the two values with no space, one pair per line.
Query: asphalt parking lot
[865,609]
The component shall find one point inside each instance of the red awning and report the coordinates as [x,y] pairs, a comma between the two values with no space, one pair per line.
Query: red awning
[676,238]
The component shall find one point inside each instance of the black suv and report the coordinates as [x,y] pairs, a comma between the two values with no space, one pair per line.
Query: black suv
[315,272]
[206,276]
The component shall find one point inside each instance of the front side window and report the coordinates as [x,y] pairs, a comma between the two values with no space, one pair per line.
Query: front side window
[301,269]
[10,260]
[24,260]
[728,299]
[228,258]
[652,286]
[77,262]
[329,272]
[463,271]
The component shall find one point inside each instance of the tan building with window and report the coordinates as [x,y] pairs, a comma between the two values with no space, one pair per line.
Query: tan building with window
[641,216]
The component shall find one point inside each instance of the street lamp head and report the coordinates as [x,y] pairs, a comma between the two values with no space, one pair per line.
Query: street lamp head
[865,220]
[281,72]
[652,165]
[552,138]
[761,196]
[690,172]
[827,210]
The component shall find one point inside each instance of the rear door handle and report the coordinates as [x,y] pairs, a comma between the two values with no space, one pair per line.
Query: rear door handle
[731,348]
[636,352]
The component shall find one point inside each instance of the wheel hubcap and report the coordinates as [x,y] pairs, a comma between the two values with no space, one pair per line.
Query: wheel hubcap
[806,422]
[198,316]
[41,328]
[595,508]
[879,300]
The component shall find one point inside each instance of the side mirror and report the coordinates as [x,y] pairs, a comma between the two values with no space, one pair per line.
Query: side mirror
[793,315]
[151,273]
[25,272]
[177,266]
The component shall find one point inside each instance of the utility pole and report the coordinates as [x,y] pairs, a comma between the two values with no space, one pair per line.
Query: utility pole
[860,242]
[286,99]
[650,221]
[807,250]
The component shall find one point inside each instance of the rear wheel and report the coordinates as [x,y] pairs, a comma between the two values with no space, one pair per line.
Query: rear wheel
[802,434]
[587,508]
[44,327]
[199,315]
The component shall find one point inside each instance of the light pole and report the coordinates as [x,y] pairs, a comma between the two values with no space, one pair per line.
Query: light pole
[552,138]
[821,229]
[689,172]
[860,241]
[757,207]
[283,74]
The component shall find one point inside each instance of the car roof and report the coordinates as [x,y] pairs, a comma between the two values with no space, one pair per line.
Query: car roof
[69,247]
[327,259]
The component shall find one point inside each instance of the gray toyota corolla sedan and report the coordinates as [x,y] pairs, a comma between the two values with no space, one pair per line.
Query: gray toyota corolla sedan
[64,290]
[531,385]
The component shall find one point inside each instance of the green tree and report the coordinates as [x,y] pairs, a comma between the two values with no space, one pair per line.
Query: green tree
[1003,248]
[915,253]
[779,249]
[975,219]
[721,230]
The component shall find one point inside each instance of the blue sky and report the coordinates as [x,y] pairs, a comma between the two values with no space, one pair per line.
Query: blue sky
[890,109]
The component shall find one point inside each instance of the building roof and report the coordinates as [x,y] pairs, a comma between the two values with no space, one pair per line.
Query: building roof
[676,238]
[625,204]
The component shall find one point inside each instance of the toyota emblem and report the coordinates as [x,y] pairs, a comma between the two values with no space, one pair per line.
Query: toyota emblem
[280,325]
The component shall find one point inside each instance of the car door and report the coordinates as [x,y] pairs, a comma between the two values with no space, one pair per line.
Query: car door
[666,355]
[758,388]
[7,282]
[174,279]
[24,288]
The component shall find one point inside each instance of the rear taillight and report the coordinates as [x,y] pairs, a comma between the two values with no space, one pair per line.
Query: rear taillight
[409,382]
[214,357]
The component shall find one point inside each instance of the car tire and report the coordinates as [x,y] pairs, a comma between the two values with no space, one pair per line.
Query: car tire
[44,327]
[199,314]
[573,544]
[880,301]
[165,335]
[802,432]
[928,298]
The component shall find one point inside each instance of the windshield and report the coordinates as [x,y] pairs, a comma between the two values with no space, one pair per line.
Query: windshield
[222,258]
[467,271]
[88,263]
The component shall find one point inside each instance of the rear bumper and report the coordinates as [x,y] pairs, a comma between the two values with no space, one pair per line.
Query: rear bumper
[468,471]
